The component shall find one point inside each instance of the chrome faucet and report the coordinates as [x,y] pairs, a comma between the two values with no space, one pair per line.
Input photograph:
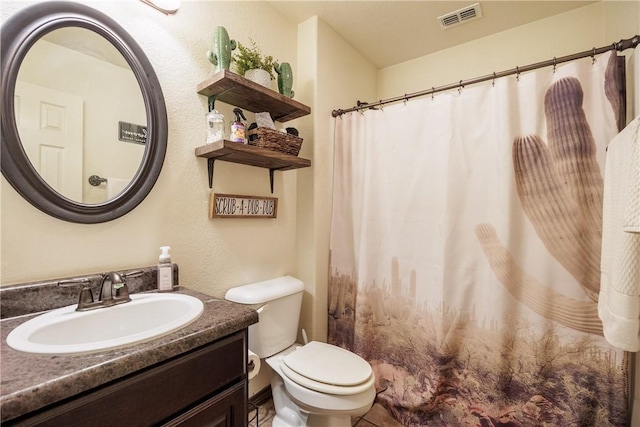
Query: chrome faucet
[113,290]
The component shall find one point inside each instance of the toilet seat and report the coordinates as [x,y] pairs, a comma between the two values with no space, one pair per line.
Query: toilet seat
[327,369]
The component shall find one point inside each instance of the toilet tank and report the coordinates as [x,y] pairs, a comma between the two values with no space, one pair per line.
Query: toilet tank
[278,302]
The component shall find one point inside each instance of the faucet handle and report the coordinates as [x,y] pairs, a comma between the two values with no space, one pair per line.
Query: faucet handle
[122,291]
[134,273]
[86,295]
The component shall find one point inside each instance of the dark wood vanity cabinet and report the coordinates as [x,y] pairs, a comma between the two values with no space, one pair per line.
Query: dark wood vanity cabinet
[204,387]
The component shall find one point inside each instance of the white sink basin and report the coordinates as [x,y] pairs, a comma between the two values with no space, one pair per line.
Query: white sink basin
[66,331]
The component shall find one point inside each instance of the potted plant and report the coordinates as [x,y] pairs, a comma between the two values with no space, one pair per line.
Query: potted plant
[251,64]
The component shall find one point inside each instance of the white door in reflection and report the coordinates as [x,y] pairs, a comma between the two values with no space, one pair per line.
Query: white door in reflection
[50,127]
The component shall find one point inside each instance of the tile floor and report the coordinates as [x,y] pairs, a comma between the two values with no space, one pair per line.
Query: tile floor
[376,417]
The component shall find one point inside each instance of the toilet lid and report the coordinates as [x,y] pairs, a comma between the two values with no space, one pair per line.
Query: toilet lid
[325,388]
[328,364]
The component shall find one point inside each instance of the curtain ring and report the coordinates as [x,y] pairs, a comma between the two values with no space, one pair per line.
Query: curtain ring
[460,87]
[555,64]
[433,92]
[493,82]
[405,99]
[593,56]
[517,73]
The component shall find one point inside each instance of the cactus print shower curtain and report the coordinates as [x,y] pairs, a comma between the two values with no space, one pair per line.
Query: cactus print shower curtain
[465,252]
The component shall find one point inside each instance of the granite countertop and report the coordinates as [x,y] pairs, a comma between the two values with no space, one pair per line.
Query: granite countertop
[31,381]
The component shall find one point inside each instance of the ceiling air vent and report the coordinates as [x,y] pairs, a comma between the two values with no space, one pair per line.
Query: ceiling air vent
[460,16]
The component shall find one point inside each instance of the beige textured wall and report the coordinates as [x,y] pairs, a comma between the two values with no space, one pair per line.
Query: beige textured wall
[334,75]
[213,255]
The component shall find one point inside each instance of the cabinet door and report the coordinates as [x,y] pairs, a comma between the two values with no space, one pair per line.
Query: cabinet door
[227,409]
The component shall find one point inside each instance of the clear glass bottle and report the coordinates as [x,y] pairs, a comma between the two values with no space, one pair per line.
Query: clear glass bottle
[215,126]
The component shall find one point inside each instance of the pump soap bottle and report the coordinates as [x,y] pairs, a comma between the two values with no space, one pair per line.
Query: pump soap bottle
[238,127]
[165,270]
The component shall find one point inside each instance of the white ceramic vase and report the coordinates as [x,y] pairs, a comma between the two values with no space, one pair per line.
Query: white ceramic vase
[259,76]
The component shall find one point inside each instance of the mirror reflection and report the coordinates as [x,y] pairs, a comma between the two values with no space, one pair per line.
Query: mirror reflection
[80,113]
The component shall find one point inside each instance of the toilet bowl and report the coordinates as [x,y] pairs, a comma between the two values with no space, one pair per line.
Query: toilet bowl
[320,384]
[315,384]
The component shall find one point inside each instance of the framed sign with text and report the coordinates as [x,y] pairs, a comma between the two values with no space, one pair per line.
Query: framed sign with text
[235,206]
[129,132]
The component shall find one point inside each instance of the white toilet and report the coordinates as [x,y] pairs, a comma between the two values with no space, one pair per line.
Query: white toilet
[316,384]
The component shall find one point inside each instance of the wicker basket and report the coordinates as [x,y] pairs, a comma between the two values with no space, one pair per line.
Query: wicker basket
[271,139]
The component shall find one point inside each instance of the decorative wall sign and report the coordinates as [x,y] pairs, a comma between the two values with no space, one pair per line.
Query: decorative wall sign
[234,206]
[130,132]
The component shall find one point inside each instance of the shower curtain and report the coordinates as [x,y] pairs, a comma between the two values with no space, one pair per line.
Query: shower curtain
[465,251]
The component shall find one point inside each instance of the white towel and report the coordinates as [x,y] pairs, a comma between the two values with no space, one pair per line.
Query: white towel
[619,300]
[631,222]
[115,186]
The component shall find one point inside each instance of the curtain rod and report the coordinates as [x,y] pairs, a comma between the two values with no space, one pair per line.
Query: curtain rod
[623,44]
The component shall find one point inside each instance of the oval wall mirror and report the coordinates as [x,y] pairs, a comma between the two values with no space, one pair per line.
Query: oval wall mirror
[84,123]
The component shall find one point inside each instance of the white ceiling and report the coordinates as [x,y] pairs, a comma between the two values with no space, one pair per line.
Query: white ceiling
[390,32]
[87,42]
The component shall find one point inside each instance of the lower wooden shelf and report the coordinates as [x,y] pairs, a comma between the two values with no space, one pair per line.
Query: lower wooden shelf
[234,152]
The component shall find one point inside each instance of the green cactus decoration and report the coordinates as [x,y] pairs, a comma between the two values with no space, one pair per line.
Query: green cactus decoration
[560,188]
[221,47]
[285,78]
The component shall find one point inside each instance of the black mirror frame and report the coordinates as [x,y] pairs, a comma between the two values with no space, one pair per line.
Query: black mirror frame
[17,36]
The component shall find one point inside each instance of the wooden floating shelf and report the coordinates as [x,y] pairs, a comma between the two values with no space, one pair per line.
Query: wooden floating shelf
[233,89]
[249,155]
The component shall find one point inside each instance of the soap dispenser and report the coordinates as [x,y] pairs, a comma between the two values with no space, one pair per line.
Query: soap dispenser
[238,127]
[165,270]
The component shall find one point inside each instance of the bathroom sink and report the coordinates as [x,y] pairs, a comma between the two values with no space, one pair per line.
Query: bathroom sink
[66,331]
